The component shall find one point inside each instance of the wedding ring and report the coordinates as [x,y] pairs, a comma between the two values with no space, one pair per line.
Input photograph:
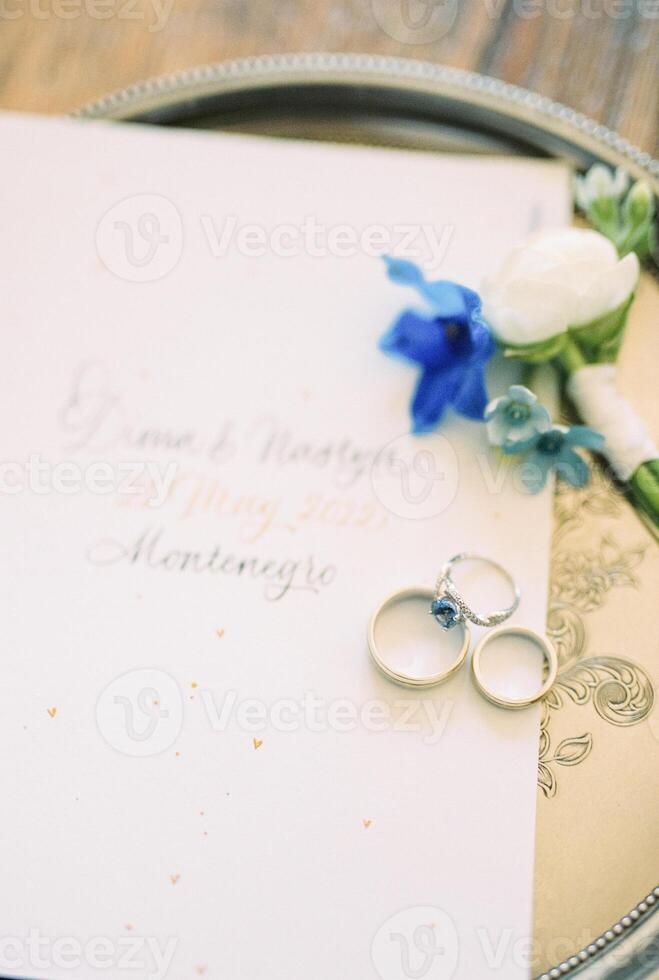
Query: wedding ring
[410,680]
[449,607]
[549,654]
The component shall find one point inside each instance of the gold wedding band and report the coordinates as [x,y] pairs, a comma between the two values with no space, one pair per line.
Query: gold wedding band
[408,680]
[549,654]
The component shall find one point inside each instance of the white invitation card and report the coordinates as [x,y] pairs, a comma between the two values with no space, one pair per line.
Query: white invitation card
[208,484]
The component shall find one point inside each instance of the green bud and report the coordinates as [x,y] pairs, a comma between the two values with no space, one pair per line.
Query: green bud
[637,231]
[639,205]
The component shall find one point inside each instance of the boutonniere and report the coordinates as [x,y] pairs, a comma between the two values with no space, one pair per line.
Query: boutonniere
[565,296]
[562,296]
[451,343]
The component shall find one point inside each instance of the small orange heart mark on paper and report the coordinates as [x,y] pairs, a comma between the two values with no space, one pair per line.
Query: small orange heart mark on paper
[367,823]
[194,684]
[129,926]
[201,970]
[220,633]
[174,878]
[52,712]
[257,742]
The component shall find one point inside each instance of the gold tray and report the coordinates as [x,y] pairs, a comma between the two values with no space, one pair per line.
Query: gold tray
[597,861]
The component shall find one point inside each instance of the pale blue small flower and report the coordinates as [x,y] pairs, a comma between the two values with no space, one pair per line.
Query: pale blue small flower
[516,416]
[553,449]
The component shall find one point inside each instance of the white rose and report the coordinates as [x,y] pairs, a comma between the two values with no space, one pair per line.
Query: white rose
[558,279]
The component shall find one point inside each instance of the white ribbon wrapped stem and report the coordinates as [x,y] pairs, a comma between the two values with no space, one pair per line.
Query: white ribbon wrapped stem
[593,391]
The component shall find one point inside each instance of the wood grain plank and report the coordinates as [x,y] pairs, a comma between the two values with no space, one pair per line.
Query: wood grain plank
[56,55]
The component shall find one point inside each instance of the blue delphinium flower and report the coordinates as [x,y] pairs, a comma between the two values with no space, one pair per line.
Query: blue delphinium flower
[517,415]
[450,342]
[553,449]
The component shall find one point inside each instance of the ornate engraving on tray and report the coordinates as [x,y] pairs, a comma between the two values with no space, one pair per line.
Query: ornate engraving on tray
[568,752]
[572,508]
[566,630]
[620,690]
[582,579]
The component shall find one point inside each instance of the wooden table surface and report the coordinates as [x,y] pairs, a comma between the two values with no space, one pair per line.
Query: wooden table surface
[600,56]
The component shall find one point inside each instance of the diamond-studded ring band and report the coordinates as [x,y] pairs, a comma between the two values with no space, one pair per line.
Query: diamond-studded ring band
[449,607]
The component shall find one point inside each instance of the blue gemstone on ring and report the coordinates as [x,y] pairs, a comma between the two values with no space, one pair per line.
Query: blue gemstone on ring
[445,612]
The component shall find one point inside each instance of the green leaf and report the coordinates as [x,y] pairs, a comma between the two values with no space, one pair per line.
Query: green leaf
[604,216]
[600,339]
[644,489]
[641,240]
[545,350]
